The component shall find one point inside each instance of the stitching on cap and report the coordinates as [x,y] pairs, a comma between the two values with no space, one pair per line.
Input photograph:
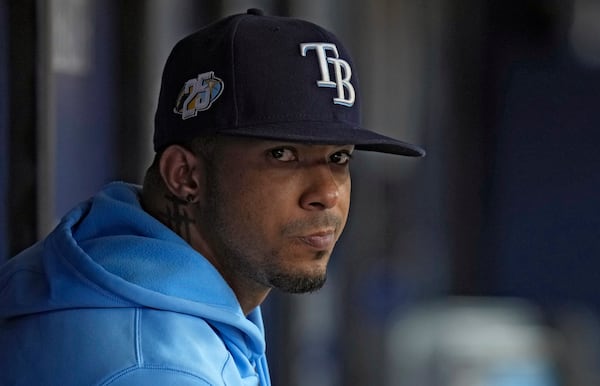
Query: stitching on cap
[233,68]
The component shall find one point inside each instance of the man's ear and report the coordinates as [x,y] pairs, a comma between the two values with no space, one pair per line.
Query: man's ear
[180,171]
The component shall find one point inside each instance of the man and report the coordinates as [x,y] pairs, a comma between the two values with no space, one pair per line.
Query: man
[256,123]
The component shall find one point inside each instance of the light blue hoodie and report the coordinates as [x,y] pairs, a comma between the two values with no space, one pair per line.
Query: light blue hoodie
[113,297]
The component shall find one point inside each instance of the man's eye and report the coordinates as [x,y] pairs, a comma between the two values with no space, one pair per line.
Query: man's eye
[283,154]
[341,158]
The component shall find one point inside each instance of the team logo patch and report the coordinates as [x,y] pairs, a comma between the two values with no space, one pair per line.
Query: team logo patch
[327,53]
[198,94]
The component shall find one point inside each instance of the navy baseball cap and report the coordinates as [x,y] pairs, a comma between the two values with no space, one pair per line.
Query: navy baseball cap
[266,77]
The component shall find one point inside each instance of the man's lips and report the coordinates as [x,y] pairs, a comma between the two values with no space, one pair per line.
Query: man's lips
[319,240]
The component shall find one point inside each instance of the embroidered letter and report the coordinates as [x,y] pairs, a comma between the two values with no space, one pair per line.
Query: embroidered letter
[341,68]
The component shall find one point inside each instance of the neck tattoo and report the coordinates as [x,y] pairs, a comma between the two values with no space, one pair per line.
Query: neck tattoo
[176,216]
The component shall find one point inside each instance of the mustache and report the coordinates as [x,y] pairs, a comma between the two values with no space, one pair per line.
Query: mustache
[307,225]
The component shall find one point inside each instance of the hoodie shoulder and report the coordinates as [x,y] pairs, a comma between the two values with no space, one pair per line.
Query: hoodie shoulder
[117,347]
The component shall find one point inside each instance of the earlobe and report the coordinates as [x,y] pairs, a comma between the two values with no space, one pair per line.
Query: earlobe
[180,172]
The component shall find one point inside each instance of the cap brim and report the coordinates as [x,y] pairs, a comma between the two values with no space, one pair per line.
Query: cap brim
[329,133]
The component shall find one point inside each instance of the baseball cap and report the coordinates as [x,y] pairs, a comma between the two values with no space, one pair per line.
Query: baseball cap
[267,77]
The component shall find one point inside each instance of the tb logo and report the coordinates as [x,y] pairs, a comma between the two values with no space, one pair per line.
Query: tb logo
[341,71]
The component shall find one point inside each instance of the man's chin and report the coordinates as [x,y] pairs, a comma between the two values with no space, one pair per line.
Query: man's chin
[295,284]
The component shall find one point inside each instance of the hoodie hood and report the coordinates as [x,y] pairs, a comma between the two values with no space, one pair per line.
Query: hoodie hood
[109,253]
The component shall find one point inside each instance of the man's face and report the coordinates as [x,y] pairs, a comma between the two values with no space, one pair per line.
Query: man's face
[274,210]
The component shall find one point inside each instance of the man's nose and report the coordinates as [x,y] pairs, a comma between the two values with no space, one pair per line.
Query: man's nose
[322,189]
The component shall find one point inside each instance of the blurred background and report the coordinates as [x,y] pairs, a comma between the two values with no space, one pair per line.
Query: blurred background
[476,266]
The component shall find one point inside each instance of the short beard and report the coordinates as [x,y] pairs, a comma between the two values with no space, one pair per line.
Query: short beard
[295,284]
